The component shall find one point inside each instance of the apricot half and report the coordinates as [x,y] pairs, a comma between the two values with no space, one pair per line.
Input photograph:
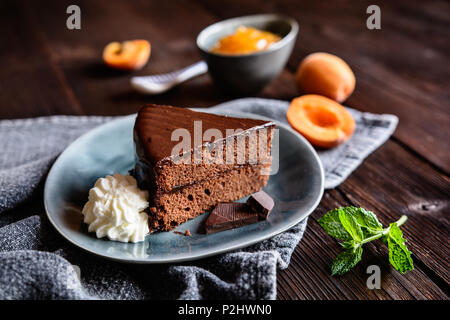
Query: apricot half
[128,55]
[322,121]
[327,75]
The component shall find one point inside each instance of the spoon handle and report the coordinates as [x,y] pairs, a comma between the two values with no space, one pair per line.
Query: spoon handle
[192,71]
[159,83]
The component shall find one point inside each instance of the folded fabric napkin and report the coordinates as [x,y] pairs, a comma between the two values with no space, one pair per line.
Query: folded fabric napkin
[37,263]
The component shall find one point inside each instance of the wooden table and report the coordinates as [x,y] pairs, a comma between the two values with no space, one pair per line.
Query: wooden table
[402,69]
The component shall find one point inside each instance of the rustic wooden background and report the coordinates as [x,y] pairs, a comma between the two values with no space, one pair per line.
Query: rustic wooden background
[403,69]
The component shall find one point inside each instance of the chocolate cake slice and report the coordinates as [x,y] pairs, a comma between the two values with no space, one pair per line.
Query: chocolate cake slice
[190,161]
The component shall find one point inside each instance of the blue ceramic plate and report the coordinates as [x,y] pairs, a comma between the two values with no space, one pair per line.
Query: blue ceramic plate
[297,188]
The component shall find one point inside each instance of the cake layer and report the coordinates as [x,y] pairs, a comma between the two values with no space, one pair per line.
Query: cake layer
[175,207]
[248,139]
[171,175]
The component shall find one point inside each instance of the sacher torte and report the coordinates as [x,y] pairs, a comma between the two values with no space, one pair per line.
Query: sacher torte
[213,166]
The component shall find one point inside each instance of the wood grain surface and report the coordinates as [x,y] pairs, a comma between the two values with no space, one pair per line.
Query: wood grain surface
[402,69]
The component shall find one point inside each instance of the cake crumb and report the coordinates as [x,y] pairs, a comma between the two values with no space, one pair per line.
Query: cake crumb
[187,233]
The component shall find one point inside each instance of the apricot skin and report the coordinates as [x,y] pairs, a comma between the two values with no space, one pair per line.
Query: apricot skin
[327,75]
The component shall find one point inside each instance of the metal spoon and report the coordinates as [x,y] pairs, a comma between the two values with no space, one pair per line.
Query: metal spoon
[160,83]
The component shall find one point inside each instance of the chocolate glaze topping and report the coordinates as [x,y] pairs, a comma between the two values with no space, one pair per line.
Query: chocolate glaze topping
[155,124]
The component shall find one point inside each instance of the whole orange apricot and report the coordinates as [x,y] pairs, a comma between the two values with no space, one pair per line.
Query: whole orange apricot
[325,74]
[128,55]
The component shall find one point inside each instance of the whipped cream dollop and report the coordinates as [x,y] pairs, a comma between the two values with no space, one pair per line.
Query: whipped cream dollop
[116,209]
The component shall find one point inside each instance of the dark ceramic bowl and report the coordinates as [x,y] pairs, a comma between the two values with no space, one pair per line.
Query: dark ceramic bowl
[248,73]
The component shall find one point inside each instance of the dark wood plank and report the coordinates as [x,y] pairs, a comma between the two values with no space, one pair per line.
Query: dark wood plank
[104,91]
[308,276]
[412,189]
[79,83]
[30,83]
[399,69]
[372,85]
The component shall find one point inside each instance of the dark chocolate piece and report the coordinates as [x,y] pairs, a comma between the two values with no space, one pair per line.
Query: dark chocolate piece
[228,216]
[261,203]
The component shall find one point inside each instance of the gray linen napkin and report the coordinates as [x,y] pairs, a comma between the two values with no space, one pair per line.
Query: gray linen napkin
[37,263]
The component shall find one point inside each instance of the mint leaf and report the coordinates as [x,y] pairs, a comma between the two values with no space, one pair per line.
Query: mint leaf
[351,225]
[358,226]
[366,219]
[345,261]
[332,225]
[399,255]
[348,245]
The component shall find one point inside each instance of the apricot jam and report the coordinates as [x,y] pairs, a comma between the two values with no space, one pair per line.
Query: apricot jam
[245,40]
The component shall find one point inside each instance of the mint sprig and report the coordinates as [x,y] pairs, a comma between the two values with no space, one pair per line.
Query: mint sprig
[357,226]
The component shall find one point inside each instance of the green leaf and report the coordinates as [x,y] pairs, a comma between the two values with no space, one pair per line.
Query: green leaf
[399,255]
[345,261]
[348,245]
[332,225]
[351,225]
[357,226]
[366,219]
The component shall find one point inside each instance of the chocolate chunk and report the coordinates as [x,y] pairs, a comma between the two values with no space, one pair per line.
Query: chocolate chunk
[230,215]
[261,203]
